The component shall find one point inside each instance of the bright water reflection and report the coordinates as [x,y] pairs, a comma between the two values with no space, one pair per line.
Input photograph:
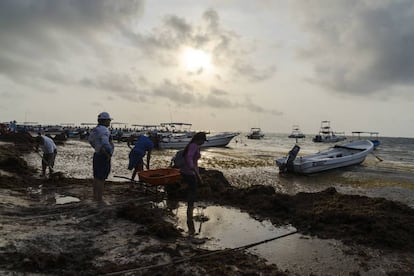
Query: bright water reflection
[227,227]
[61,199]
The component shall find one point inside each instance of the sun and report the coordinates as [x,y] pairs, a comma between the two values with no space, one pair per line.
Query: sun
[195,60]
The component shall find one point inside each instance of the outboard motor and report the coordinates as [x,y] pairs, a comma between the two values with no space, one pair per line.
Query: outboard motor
[288,166]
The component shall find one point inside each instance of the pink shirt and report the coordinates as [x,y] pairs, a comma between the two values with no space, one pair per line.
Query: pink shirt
[191,159]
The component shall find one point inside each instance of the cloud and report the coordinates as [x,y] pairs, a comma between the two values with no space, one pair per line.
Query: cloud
[47,45]
[180,93]
[218,92]
[183,94]
[37,33]
[252,73]
[360,47]
[121,85]
[249,105]
[227,48]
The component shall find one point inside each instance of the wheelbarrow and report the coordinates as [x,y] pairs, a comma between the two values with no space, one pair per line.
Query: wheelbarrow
[156,177]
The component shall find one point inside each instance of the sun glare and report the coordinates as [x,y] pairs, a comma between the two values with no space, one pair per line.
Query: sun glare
[195,60]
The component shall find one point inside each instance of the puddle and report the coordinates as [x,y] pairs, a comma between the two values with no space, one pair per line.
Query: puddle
[65,199]
[225,227]
[6,173]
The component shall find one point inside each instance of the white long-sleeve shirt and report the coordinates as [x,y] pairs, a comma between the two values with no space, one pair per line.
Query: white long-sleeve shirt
[48,145]
[99,138]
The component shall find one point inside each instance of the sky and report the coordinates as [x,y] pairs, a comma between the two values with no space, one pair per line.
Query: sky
[222,65]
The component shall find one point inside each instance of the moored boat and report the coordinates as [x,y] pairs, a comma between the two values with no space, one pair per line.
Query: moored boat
[327,135]
[215,140]
[255,133]
[335,157]
[296,133]
[373,134]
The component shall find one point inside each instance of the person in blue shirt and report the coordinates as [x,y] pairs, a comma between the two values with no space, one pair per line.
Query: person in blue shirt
[100,139]
[143,145]
[13,126]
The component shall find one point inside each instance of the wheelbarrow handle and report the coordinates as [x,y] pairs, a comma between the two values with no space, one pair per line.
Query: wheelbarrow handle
[135,181]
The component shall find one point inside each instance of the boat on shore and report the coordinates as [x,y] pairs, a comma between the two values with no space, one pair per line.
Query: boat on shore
[255,133]
[338,156]
[373,137]
[215,140]
[327,135]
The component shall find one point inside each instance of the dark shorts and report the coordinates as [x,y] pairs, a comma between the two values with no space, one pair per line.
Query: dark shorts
[49,159]
[135,158]
[101,166]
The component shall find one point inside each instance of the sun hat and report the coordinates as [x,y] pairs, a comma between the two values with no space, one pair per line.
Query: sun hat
[104,116]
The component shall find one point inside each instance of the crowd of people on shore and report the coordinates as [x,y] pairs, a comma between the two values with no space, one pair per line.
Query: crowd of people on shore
[101,141]
[141,146]
[8,127]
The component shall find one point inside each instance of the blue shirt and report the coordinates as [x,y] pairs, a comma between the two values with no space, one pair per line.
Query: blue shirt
[142,145]
[99,138]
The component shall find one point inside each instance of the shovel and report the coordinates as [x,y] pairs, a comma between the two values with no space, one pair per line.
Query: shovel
[53,174]
[142,184]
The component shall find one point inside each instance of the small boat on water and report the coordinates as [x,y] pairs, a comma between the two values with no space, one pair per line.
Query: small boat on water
[179,142]
[335,157]
[255,133]
[296,133]
[326,135]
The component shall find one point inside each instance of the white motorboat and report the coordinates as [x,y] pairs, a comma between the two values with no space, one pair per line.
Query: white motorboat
[326,135]
[296,133]
[179,142]
[255,133]
[373,134]
[335,157]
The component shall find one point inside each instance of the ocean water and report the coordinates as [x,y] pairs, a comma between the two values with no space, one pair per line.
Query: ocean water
[247,162]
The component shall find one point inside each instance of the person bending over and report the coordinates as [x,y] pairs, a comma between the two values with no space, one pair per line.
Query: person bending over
[143,146]
[49,149]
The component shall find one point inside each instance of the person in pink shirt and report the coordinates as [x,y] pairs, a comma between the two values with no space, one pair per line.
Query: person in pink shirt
[189,170]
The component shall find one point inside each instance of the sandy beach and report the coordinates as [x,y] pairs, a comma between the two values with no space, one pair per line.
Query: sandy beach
[136,235]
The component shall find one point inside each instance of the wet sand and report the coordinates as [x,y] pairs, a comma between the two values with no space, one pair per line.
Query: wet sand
[135,234]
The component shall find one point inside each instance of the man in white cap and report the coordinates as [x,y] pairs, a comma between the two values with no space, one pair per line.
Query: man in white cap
[100,140]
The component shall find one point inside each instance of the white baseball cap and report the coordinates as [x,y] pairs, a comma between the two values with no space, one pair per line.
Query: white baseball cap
[104,116]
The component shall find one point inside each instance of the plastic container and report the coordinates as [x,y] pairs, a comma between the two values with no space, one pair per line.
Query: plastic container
[160,176]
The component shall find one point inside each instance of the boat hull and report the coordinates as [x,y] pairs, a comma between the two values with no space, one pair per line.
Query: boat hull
[257,137]
[218,140]
[328,139]
[297,136]
[336,157]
